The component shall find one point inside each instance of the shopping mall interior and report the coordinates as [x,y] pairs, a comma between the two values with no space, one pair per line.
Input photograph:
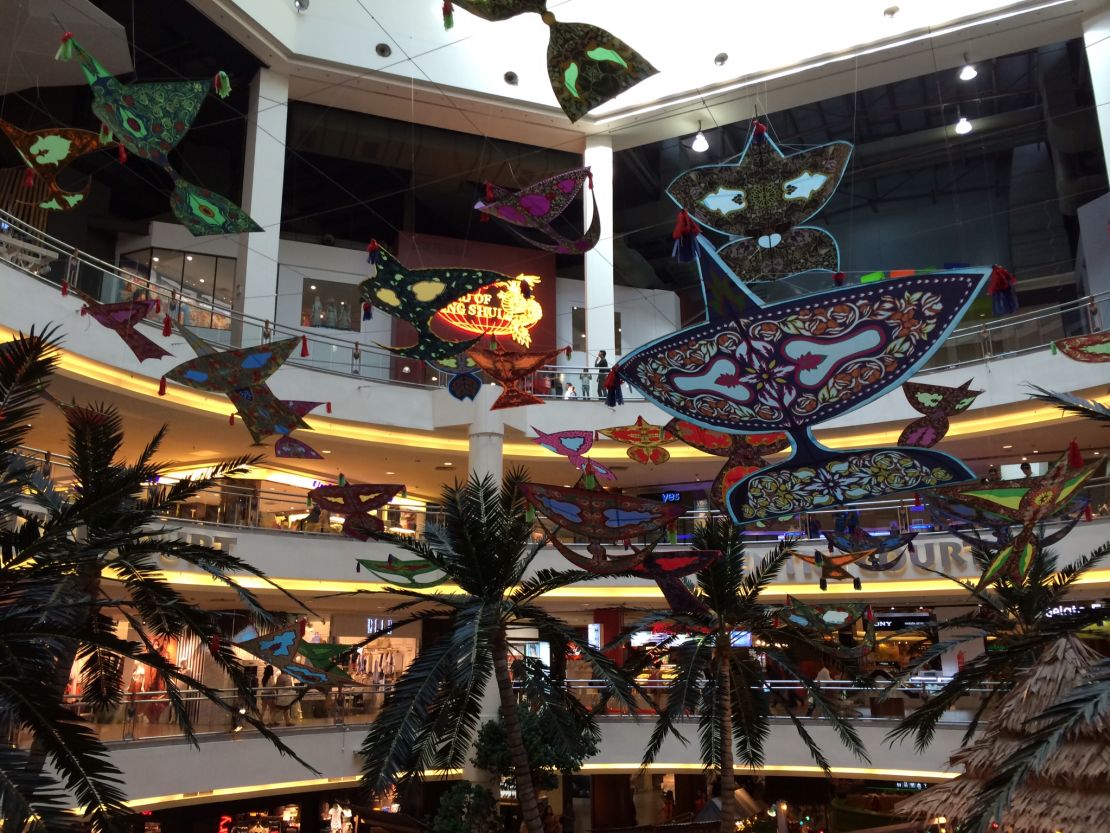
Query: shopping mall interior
[554,415]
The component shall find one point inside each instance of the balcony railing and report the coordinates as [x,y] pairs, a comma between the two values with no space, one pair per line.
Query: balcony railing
[43,256]
[148,716]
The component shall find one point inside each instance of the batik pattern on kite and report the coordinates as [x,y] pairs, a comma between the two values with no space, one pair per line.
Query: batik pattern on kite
[601,517]
[538,206]
[744,452]
[149,119]
[509,368]
[291,447]
[1028,502]
[834,566]
[415,295]
[287,650]
[828,620]
[793,364]
[762,199]
[937,403]
[47,152]
[411,572]
[1091,348]
[668,569]
[645,441]
[574,445]
[241,375]
[356,501]
[587,65]
[123,318]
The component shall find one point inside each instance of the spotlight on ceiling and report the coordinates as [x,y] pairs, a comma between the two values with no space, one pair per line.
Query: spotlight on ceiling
[721,59]
[963,126]
[383,50]
[700,143]
[301,5]
[511,78]
[968,72]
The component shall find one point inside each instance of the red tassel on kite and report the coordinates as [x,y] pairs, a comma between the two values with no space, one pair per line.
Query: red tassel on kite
[490,197]
[328,405]
[590,179]
[838,279]
[29,178]
[1075,456]
[684,234]
[214,643]
[567,351]
[162,386]
[122,154]
[304,347]
[231,419]
[759,133]
[84,310]
[1087,515]
[301,625]
[157,306]
[448,14]
[65,288]
[167,326]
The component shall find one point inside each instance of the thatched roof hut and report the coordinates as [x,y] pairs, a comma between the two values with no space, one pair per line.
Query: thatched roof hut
[1070,792]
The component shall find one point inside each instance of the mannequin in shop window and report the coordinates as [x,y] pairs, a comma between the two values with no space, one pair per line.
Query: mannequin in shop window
[344,316]
[317,312]
[330,317]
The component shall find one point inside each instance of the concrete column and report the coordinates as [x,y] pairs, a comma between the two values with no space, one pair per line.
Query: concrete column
[1096,37]
[950,661]
[256,272]
[600,330]
[487,436]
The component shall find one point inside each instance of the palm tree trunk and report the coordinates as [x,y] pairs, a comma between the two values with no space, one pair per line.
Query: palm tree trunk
[724,710]
[522,771]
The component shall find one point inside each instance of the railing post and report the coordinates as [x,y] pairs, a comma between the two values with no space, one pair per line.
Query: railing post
[129,714]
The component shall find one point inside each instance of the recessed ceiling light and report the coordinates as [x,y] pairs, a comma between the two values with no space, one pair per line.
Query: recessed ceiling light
[1006,447]
[448,463]
[511,78]
[155,259]
[313,286]
[721,59]
[384,50]
[189,257]
[202,280]
[1035,451]
[435,378]
[325,451]
[1023,459]
[1097,453]
[391,472]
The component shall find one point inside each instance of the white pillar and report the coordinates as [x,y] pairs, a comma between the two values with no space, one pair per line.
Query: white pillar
[487,436]
[263,179]
[1096,38]
[600,331]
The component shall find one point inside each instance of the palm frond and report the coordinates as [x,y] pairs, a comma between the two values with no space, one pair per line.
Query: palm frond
[1069,403]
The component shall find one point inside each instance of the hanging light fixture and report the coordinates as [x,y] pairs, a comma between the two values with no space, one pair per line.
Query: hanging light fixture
[969,71]
[700,143]
[301,5]
[963,126]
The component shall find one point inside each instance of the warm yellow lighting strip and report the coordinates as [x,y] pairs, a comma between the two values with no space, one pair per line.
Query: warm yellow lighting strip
[204,796]
[779,769]
[645,592]
[103,374]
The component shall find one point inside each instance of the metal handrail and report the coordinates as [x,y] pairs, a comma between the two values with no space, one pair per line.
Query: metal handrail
[965,333]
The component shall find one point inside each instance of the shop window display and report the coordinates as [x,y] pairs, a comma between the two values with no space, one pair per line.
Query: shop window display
[200,287]
[334,306]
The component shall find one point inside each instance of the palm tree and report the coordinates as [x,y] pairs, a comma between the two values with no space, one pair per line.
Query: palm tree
[726,685]
[57,606]
[484,546]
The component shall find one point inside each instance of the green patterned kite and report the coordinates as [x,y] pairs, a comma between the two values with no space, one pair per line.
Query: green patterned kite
[149,119]
[406,573]
[587,65]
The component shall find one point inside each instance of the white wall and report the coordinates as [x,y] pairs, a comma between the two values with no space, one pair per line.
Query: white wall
[646,314]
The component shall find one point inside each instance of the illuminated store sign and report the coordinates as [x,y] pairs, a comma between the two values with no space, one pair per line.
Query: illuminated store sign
[501,309]
[671,497]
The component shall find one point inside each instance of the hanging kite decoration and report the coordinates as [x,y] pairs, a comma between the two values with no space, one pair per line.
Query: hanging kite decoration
[286,649]
[1028,502]
[46,153]
[241,375]
[1092,348]
[835,566]
[291,447]
[645,441]
[850,537]
[668,569]
[601,518]
[828,620]
[509,368]
[790,365]
[149,119]
[411,572]
[744,452]
[538,206]
[416,295]
[937,403]
[123,318]
[464,382]
[761,201]
[355,502]
[574,445]
[587,65]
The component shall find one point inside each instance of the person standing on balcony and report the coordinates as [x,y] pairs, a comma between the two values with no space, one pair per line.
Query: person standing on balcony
[602,365]
[571,392]
[584,382]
